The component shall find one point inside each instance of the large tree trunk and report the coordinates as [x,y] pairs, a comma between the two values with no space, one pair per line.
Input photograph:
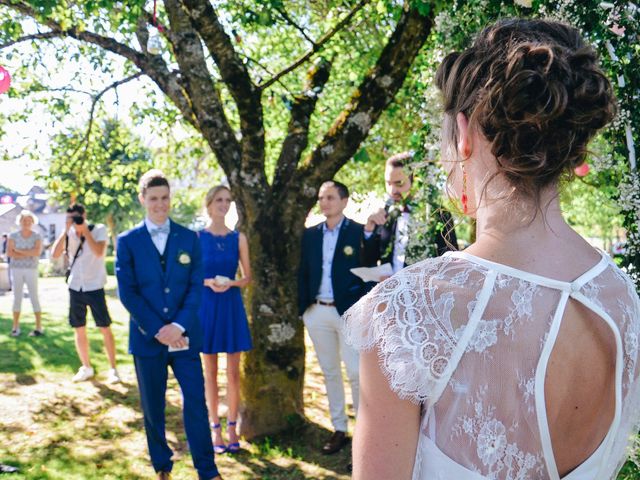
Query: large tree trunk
[274,369]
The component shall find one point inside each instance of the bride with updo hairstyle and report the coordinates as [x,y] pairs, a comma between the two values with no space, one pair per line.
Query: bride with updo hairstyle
[516,358]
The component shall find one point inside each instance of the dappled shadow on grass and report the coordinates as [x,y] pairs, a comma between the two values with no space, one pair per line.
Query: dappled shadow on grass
[122,393]
[23,355]
[58,453]
[79,434]
[94,430]
[291,455]
[30,357]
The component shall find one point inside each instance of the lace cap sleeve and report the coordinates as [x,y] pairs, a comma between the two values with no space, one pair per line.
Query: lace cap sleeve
[408,319]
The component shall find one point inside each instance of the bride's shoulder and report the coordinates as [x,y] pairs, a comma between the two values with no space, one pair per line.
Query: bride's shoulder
[444,272]
[400,314]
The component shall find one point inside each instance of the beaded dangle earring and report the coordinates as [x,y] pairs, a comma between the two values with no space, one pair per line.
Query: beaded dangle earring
[463,198]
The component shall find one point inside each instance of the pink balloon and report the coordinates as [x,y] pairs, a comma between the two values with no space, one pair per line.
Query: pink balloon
[5,80]
[582,170]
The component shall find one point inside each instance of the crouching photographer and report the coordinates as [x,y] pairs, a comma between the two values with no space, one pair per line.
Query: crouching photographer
[84,247]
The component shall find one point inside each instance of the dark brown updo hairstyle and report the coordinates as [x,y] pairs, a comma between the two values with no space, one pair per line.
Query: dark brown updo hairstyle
[534,89]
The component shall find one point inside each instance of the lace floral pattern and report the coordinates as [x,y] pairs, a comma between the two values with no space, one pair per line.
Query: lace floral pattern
[522,299]
[410,323]
[527,386]
[501,458]
[486,334]
[430,336]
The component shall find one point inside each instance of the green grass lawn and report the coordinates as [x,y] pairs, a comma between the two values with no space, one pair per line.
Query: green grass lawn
[54,429]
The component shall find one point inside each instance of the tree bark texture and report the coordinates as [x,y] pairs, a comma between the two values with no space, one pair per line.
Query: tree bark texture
[272,215]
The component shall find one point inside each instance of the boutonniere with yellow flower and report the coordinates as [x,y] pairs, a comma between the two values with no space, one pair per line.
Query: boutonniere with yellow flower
[348,250]
[184,258]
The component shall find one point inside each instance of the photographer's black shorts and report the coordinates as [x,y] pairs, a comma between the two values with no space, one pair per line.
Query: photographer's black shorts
[95,300]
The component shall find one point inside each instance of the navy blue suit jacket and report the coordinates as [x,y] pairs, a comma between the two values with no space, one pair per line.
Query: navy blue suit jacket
[347,288]
[154,297]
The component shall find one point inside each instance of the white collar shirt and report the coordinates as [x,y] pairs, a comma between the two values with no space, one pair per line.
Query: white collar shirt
[329,242]
[159,233]
[401,239]
[88,272]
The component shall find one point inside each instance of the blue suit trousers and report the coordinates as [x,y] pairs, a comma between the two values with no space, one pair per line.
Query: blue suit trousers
[152,373]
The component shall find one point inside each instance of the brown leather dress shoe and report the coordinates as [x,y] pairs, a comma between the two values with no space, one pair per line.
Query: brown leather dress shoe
[336,442]
[164,476]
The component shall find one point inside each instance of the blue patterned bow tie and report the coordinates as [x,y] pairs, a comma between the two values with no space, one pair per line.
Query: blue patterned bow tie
[163,230]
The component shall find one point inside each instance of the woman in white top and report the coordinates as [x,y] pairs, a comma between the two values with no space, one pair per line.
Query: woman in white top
[24,249]
[517,358]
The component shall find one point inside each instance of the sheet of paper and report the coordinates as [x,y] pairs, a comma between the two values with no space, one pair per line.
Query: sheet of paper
[373,274]
[186,347]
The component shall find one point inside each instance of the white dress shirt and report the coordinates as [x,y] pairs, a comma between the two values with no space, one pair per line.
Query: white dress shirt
[89,272]
[158,239]
[329,242]
[401,239]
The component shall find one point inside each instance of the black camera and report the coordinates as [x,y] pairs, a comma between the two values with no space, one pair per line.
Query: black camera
[77,219]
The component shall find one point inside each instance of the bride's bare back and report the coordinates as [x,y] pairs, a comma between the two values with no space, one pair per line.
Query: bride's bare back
[579,384]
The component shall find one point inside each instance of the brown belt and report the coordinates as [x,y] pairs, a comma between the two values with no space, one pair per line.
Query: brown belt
[326,304]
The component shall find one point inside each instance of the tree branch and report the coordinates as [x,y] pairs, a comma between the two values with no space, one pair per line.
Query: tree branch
[291,22]
[233,71]
[44,88]
[151,65]
[374,94]
[236,77]
[297,137]
[266,69]
[35,36]
[201,89]
[94,101]
[142,33]
[317,46]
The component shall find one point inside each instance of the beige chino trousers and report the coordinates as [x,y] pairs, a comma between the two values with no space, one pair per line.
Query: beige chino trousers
[324,325]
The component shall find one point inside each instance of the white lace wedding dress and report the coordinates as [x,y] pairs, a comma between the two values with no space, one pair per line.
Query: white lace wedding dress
[469,339]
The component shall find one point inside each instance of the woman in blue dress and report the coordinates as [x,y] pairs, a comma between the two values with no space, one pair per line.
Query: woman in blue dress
[222,314]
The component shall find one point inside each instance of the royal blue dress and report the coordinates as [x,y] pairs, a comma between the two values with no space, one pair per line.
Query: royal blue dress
[222,315]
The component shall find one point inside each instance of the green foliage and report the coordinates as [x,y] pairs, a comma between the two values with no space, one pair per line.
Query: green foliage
[100,172]
[592,211]
[109,263]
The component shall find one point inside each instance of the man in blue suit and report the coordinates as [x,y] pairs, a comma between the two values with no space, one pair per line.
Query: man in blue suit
[326,288]
[160,278]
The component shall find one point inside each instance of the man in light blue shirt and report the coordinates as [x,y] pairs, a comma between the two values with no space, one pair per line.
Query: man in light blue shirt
[326,288]
[329,242]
